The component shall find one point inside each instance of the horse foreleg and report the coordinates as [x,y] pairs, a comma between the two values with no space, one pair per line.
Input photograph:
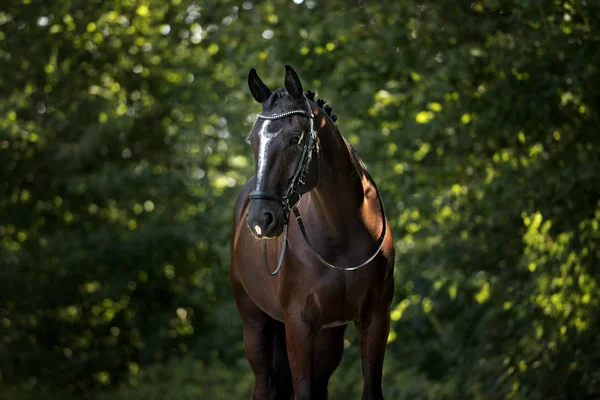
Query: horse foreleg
[257,342]
[258,352]
[302,324]
[329,347]
[373,340]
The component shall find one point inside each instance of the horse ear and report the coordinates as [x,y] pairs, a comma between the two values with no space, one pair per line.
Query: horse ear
[292,83]
[258,89]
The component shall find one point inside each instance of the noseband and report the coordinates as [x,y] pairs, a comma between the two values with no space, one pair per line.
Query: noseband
[292,196]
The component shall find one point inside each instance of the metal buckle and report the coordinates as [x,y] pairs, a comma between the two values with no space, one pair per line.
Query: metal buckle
[296,203]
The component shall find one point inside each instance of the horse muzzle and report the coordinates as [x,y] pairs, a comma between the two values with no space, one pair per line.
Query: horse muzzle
[265,221]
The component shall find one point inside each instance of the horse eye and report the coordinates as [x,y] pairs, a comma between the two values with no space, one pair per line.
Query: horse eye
[295,138]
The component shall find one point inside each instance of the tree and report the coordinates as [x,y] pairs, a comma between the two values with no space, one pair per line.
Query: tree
[122,148]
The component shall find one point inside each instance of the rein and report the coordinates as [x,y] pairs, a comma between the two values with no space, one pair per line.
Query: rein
[293,194]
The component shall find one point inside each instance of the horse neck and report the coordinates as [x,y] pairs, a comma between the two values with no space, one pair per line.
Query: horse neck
[339,192]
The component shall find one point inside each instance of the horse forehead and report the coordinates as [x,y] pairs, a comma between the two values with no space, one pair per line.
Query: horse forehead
[267,128]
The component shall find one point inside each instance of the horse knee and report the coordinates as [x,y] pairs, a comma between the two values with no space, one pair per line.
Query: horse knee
[312,313]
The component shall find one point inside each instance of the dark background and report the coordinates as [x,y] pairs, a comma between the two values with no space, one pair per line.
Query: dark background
[122,127]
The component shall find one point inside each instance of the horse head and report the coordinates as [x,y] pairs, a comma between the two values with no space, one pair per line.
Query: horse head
[284,141]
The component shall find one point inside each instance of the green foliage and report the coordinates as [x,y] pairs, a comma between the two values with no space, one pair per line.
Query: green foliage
[187,380]
[122,148]
[184,379]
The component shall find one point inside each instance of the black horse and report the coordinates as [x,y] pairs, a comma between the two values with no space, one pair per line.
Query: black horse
[294,320]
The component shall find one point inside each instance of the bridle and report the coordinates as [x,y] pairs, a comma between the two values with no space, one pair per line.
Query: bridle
[291,199]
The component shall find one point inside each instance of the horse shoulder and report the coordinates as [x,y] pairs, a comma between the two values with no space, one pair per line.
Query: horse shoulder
[238,211]
[242,199]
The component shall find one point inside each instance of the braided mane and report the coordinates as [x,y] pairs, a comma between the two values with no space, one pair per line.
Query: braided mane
[359,166]
[321,103]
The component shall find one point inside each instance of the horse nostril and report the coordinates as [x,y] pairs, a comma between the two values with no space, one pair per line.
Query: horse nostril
[268,218]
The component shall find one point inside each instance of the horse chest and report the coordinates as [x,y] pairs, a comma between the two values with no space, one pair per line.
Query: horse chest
[333,298]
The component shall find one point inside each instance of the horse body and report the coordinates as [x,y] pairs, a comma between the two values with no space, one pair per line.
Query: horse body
[294,322]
